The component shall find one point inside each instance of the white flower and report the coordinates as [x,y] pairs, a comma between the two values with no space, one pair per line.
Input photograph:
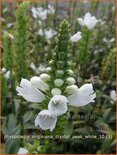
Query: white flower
[39,9]
[76,37]
[112,40]
[88,21]
[58,82]
[84,96]
[39,13]
[56,91]
[49,34]
[58,105]
[38,83]
[113,95]
[29,92]
[34,12]
[71,89]
[33,67]
[42,14]
[70,72]
[70,81]
[3,70]
[45,77]
[7,75]
[45,120]
[51,9]
[40,32]
[48,69]
[101,22]
[22,151]
[42,68]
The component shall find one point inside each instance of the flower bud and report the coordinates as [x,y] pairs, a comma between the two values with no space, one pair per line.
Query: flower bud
[56,91]
[38,83]
[51,62]
[70,81]
[48,69]
[70,72]
[59,72]
[45,77]
[3,70]
[58,82]
[71,89]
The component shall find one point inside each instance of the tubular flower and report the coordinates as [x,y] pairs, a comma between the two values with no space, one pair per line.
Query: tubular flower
[88,21]
[58,105]
[29,92]
[83,96]
[22,151]
[76,37]
[45,120]
[49,34]
[57,88]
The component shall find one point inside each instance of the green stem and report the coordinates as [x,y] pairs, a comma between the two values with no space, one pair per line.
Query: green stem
[12,91]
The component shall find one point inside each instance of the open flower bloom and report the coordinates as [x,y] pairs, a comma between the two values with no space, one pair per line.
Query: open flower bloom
[88,21]
[45,120]
[39,13]
[34,12]
[58,105]
[76,37]
[42,14]
[29,92]
[49,34]
[51,9]
[40,32]
[83,96]
[22,151]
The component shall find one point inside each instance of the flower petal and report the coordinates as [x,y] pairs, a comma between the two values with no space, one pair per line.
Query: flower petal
[84,96]
[38,83]
[45,120]
[58,105]
[81,22]
[29,92]
[77,100]
[76,37]
[22,151]
[86,89]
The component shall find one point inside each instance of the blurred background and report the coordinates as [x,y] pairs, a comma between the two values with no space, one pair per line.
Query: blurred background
[23,31]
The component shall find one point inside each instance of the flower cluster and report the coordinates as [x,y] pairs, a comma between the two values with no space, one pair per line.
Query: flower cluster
[48,33]
[33,91]
[57,88]
[41,13]
[88,21]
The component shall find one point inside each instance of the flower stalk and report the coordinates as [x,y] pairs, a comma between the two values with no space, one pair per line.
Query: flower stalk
[8,64]
[21,44]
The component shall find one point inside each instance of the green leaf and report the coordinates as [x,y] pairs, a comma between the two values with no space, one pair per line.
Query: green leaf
[68,128]
[34,106]
[27,116]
